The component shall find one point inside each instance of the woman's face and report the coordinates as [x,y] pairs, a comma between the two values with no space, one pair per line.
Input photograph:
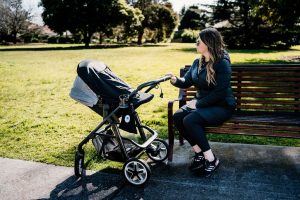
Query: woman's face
[201,47]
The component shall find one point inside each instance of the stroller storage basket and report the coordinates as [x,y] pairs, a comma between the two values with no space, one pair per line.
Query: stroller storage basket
[107,146]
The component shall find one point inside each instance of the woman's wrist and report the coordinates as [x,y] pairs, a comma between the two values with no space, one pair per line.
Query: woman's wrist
[173,79]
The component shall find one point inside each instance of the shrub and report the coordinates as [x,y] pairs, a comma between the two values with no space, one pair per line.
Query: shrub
[53,40]
[189,35]
[65,40]
[35,40]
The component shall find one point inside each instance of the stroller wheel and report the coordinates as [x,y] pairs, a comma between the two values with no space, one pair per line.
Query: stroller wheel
[158,150]
[137,172]
[79,162]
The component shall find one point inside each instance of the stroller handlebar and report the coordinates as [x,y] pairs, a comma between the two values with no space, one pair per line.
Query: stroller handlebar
[152,84]
[164,78]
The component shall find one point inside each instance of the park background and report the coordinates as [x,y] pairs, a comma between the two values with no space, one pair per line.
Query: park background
[38,119]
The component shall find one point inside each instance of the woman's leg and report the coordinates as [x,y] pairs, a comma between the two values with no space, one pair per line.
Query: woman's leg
[198,159]
[194,124]
[178,121]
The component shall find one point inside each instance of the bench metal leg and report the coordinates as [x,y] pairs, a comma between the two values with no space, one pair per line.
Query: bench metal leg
[170,130]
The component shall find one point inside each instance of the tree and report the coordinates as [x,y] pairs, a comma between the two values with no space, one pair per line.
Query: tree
[133,22]
[258,23]
[86,17]
[13,18]
[159,17]
[283,18]
[193,18]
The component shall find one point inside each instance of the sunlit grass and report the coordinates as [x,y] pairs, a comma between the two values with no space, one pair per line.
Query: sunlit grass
[40,122]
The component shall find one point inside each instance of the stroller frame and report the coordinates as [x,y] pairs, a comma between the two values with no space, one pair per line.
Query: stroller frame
[131,163]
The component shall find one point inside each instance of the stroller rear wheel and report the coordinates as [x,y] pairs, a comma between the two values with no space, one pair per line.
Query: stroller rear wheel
[79,164]
[158,150]
[136,172]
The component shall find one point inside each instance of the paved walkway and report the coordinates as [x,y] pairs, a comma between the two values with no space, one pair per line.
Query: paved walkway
[247,172]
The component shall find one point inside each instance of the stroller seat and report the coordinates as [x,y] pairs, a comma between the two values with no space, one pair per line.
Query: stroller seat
[142,98]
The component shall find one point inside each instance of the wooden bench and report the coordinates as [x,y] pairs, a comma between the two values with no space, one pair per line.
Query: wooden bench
[267,102]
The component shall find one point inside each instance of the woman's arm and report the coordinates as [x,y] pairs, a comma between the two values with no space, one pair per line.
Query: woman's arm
[186,81]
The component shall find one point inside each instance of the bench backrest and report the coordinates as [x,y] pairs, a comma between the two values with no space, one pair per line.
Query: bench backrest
[262,87]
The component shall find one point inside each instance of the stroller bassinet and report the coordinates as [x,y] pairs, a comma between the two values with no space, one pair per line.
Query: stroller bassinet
[105,85]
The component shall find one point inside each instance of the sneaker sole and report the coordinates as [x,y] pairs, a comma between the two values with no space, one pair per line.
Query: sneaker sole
[196,169]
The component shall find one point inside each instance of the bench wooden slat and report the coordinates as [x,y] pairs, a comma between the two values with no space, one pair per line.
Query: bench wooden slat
[266,90]
[264,79]
[274,118]
[276,102]
[253,133]
[261,74]
[256,95]
[266,67]
[259,127]
[267,84]
[273,108]
[267,95]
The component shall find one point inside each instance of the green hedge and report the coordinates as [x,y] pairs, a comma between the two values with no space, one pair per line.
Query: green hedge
[189,35]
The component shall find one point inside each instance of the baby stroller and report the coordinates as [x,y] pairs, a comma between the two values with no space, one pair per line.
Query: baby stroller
[101,90]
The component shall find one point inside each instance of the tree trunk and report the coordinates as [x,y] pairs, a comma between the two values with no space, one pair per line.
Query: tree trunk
[14,37]
[100,38]
[140,36]
[87,39]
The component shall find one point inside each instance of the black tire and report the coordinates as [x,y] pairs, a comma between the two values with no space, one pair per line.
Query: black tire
[79,164]
[136,172]
[159,150]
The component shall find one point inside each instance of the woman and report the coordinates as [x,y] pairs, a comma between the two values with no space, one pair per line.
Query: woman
[214,102]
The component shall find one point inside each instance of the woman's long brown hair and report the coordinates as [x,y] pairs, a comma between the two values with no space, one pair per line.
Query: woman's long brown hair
[216,46]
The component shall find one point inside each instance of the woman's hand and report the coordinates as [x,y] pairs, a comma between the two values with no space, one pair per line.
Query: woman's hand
[173,78]
[192,104]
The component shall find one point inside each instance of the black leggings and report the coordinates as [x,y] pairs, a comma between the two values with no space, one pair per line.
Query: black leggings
[190,123]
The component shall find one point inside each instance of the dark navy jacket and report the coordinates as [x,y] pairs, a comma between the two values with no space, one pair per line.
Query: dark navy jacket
[210,95]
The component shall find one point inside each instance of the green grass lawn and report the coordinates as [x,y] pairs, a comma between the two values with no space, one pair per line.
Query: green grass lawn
[40,122]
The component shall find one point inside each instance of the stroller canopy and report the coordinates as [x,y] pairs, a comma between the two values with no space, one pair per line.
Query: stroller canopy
[107,85]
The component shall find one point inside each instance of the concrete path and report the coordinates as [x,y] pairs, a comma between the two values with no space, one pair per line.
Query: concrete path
[246,172]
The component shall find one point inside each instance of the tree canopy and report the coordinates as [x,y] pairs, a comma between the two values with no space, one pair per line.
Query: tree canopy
[258,23]
[159,17]
[87,17]
[193,18]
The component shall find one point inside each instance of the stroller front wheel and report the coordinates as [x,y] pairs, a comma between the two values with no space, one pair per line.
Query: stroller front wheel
[158,150]
[136,172]
[79,164]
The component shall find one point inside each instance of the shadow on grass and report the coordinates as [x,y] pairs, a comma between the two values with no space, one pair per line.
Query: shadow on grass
[108,46]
